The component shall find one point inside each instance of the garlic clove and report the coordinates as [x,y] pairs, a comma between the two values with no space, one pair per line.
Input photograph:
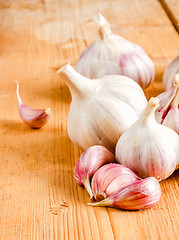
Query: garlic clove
[168,111]
[148,148]
[139,195]
[112,54]
[89,162]
[170,72]
[111,178]
[101,109]
[35,118]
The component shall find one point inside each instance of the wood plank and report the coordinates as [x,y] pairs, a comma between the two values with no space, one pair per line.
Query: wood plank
[172,9]
[39,198]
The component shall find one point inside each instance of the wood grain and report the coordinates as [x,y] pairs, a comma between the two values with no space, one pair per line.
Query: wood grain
[38,195]
[172,9]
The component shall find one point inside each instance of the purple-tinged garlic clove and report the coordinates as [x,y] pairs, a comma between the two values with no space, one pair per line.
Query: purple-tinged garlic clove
[35,118]
[89,162]
[139,195]
[111,178]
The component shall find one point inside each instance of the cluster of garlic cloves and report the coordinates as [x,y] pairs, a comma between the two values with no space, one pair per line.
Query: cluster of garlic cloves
[113,184]
[148,148]
[112,54]
[168,111]
[170,72]
[35,118]
[101,109]
[89,162]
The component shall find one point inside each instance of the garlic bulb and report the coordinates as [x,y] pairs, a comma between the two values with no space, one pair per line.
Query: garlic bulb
[170,72]
[148,148]
[89,162]
[112,54]
[35,118]
[168,111]
[111,178]
[136,196]
[101,109]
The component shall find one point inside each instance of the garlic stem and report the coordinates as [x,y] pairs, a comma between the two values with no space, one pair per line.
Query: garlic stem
[176,84]
[75,81]
[104,28]
[86,183]
[103,203]
[149,111]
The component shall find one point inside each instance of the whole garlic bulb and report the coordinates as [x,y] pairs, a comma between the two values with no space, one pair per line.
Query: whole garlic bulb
[101,109]
[148,148]
[112,54]
[168,111]
[170,72]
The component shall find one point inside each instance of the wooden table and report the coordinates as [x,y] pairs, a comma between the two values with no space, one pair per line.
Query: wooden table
[38,195]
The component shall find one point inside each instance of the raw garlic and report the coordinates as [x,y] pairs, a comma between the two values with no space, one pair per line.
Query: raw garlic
[170,72]
[111,178]
[35,118]
[112,54]
[89,162]
[148,148]
[136,196]
[168,111]
[101,109]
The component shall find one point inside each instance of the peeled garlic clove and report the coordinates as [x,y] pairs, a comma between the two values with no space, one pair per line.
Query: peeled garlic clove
[168,111]
[111,178]
[148,148]
[101,109]
[89,162]
[140,195]
[170,72]
[112,54]
[35,118]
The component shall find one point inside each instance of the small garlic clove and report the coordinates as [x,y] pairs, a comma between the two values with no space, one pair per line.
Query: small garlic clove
[35,118]
[168,111]
[139,195]
[170,72]
[148,148]
[89,162]
[111,178]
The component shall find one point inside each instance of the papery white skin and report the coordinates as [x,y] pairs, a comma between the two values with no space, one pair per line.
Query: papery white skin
[101,109]
[89,162]
[140,195]
[111,178]
[35,118]
[112,54]
[148,148]
[170,72]
[168,111]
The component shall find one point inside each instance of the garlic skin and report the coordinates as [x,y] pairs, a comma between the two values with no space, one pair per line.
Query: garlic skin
[140,195]
[112,54]
[89,162]
[168,111]
[101,109]
[170,72]
[111,178]
[148,148]
[35,118]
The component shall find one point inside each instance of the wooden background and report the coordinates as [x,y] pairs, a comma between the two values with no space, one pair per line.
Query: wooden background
[38,195]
